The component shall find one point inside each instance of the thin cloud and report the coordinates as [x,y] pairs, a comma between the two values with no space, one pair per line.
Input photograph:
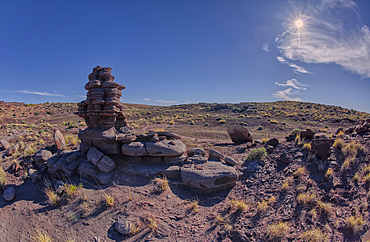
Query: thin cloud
[81,96]
[297,69]
[286,95]
[265,47]
[146,99]
[294,84]
[39,93]
[166,102]
[332,33]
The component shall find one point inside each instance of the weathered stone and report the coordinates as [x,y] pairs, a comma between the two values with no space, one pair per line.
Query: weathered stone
[4,144]
[196,159]
[321,147]
[273,142]
[349,130]
[239,134]
[284,158]
[230,161]
[123,226]
[61,166]
[94,155]
[194,151]
[215,154]
[169,135]
[269,149]
[103,178]
[170,172]
[166,148]
[308,134]
[85,147]
[215,176]
[60,143]
[12,150]
[150,160]
[174,160]
[52,160]
[86,168]
[74,164]
[163,230]
[361,129]
[42,156]
[72,157]
[134,149]
[106,164]
[9,194]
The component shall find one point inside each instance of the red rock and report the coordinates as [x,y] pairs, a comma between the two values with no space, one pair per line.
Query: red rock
[60,143]
[239,134]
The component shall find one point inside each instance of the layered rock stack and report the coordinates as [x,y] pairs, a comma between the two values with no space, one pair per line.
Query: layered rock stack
[103,114]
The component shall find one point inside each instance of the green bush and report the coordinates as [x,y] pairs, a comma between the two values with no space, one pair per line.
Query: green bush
[257,154]
[296,131]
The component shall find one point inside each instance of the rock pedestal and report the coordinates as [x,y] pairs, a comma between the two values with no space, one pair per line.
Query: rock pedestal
[103,114]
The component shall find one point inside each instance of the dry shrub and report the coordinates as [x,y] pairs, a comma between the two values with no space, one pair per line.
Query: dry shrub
[277,230]
[314,235]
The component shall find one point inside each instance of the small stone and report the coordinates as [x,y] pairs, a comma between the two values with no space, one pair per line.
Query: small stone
[163,230]
[4,144]
[123,226]
[215,154]
[34,175]
[273,142]
[42,156]
[59,186]
[230,161]
[106,164]
[195,151]
[12,150]
[94,155]
[9,194]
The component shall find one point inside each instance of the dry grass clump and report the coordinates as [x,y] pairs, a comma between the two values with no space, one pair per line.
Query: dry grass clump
[241,206]
[52,196]
[355,223]
[340,134]
[41,237]
[287,182]
[109,200]
[329,174]
[153,224]
[348,162]
[277,230]
[2,178]
[71,140]
[161,184]
[135,228]
[307,146]
[352,149]
[307,198]
[194,205]
[338,144]
[367,170]
[264,205]
[314,235]
[70,189]
[301,171]
[324,208]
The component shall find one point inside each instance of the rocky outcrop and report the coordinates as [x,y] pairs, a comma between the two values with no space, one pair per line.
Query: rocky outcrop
[321,147]
[239,134]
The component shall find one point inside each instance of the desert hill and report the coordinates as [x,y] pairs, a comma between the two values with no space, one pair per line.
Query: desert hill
[285,192]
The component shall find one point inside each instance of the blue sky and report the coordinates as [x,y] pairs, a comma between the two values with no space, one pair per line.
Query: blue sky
[175,52]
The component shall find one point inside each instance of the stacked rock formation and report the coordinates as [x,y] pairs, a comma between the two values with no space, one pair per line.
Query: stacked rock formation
[103,114]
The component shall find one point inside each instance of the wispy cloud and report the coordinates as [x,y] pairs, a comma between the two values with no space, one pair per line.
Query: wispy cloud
[293,83]
[146,99]
[332,33]
[83,96]
[39,93]
[286,95]
[166,102]
[297,69]
[293,90]
[265,47]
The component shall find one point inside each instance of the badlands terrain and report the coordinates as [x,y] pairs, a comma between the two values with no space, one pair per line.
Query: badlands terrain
[294,184]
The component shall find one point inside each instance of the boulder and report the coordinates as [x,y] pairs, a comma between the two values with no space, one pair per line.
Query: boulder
[106,164]
[94,155]
[230,161]
[134,149]
[208,177]
[169,135]
[74,164]
[197,159]
[4,144]
[308,134]
[9,194]
[239,134]
[12,150]
[52,160]
[166,148]
[215,154]
[321,147]
[60,143]
[273,142]
[61,166]
[123,226]
[34,175]
[103,178]
[194,151]
[42,156]
[174,160]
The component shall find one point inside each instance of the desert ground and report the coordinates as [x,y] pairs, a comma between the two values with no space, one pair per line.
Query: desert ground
[289,193]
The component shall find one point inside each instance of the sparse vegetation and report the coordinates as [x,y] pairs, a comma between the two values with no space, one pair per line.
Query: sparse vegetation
[355,223]
[257,154]
[314,235]
[109,200]
[2,178]
[41,237]
[277,230]
[301,171]
[238,205]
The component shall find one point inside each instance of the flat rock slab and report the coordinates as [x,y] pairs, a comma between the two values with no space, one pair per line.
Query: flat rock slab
[150,171]
[208,177]
[94,155]
[166,148]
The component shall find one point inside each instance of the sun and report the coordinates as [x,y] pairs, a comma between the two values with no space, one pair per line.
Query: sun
[298,23]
